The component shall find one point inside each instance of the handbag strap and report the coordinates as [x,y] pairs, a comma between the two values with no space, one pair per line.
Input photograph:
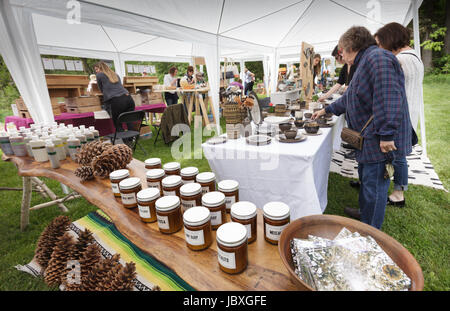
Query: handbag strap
[367,124]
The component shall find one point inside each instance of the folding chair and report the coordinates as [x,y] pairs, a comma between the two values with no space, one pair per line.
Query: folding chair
[133,119]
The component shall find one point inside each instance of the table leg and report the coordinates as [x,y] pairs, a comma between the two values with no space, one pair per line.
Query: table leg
[26,200]
[204,111]
[190,106]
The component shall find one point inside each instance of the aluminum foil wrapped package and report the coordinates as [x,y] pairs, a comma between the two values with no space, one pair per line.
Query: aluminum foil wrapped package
[349,262]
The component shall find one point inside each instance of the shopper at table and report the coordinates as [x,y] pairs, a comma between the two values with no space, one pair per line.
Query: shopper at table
[378,90]
[396,38]
[237,83]
[170,80]
[116,98]
[249,81]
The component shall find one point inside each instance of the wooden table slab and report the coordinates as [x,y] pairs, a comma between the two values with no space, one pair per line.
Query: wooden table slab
[198,268]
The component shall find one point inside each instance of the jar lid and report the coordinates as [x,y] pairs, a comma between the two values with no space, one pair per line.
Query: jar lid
[189,171]
[172,166]
[171,181]
[129,183]
[148,194]
[167,203]
[276,210]
[190,189]
[153,161]
[243,210]
[119,174]
[155,173]
[206,177]
[196,216]
[231,234]
[228,185]
[213,199]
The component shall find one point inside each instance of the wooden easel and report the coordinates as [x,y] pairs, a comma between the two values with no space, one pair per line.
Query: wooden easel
[306,70]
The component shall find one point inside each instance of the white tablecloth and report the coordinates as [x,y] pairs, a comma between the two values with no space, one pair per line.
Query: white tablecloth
[296,174]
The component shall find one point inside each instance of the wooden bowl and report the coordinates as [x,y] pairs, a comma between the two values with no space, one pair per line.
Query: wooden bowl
[285,126]
[328,226]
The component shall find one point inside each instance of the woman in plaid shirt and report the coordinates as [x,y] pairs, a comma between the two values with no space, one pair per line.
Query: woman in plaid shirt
[377,89]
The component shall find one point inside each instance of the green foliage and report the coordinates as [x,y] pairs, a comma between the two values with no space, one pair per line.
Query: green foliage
[256,68]
[434,44]
[162,68]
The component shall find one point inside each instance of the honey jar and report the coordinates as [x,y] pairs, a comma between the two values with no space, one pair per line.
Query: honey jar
[128,188]
[197,228]
[171,185]
[168,214]
[190,195]
[215,202]
[231,190]
[172,168]
[146,203]
[208,181]
[276,218]
[232,251]
[154,178]
[152,163]
[188,174]
[245,213]
[116,177]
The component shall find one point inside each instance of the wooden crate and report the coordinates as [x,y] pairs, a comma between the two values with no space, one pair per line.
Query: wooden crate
[24,114]
[155,96]
[140,80]
[84,101]
[21,104]
[154,102]
[66,85]
[83,109]
[137,99]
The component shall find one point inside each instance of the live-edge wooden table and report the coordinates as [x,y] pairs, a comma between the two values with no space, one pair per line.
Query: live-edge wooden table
[200,269]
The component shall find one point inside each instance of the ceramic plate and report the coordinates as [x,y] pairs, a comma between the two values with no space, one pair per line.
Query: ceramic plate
[259,140]
[217,140]
[317,134]
[282,139]
[276,120]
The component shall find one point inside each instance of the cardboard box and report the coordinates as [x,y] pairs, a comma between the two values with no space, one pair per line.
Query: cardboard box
[146,132]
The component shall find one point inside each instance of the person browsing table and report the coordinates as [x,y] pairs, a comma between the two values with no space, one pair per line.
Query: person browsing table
[170,80]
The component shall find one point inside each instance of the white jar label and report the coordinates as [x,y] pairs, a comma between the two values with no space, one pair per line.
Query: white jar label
[230,201]
[205,190]
[167,193]
[115,188]
[144,211]
[194,237]
[154,184]
[227,260]
[274,232]
[187,204]
[249,231]
[163,222]
[216,218]
[129,198]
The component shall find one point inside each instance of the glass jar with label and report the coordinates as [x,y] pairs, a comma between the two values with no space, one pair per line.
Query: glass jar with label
[155,177]
[153,163]
[188,174]
[146,203]
[232,250]
[129,187]
[231,190]
[168,214]
[116,177]
[171,185]
[207,180]
[245,213]
[215,202]
[276,218]
[197,228]
[190,195]
[172,168]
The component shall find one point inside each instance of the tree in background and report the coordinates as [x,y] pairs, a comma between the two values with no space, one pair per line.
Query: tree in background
[257,68]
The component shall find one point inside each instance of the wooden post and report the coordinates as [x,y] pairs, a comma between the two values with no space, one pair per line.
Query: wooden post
[26,200]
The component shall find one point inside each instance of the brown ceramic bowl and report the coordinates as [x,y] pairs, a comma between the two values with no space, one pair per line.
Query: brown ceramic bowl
[290,134]
[299,124]
[321,120]
[307,115]
[328,226]
[311,128]
[285,126]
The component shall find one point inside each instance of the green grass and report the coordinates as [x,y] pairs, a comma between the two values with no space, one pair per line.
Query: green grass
[423,227]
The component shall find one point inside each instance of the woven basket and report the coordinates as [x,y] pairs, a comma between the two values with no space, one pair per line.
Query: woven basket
[232,113]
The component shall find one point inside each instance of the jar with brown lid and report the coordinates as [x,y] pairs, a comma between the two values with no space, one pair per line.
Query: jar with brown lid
[129,188]
[168,214]
[232,250]
[146,203]
[215,202]
[245,213]
[190,195]
[154,178]
[172,168]
[197,228]
[188,174]
[116,177]
[153,163]
[171,185]
[276,218]
[208,181]
[231,190]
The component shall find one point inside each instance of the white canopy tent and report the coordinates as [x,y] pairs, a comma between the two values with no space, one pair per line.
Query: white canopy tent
[176,30]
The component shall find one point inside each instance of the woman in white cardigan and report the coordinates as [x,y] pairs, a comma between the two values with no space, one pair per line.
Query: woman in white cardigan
[396,38]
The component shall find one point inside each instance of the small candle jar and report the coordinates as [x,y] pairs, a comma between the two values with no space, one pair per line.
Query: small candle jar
[171,185]
[231,190]
[215,202]
[146,203]
[232,251]
[245,213]
[208,181]
[116,177]
[153,163]
[168,214]
[128,188]
[190,195]
[172,168]
[197,228]
[154,178]
[276,218]
[188,174]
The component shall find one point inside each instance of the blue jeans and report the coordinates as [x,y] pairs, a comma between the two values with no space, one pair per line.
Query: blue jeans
[400,174]
[373,193]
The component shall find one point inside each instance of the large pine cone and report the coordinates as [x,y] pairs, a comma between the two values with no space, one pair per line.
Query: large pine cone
[84,173]
[115,158]
[91,150]
[124,279]
[56,270]
[84,240]
[99,272]
[91,257]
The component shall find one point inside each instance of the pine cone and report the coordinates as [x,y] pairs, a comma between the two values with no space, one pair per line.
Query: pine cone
[115,158]
[91,150]
[56,271]
[84,240]
[107,282]
[98,273]
[124,279]
[48,239]
[84,173]
[90,258]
